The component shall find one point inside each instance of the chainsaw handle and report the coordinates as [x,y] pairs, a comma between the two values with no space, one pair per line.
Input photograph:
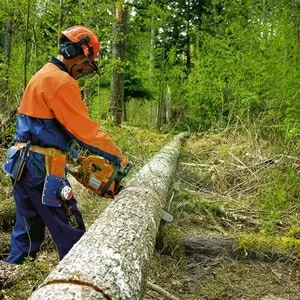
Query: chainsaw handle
[123,171]
[128,168]
[80,158]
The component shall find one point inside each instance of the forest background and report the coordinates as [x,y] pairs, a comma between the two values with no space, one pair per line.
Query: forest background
[172,65]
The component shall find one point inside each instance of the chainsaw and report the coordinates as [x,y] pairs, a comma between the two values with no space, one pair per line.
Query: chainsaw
[99,175]
[103,178]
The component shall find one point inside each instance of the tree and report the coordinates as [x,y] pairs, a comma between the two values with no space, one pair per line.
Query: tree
[134,89]
[118,55]
[6,63]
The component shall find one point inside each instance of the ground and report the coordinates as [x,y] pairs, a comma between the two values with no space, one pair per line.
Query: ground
[236,204]
[215,200]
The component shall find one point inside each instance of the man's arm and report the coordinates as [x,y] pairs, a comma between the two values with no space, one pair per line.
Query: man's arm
[72,113]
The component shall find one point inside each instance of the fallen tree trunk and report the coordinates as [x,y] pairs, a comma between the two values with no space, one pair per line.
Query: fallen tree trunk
[111,260]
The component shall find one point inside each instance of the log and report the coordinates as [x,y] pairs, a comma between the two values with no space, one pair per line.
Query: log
[111,259]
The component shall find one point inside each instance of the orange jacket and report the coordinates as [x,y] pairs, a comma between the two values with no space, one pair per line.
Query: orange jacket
[53,94]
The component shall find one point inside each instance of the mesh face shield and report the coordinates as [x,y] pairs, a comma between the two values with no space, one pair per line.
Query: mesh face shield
[89,68]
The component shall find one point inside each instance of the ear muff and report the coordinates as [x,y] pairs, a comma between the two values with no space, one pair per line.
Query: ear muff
[73,49]
[70,50]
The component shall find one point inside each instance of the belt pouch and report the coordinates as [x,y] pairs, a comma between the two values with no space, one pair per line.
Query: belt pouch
[52,186]
[58,165]
[16,159]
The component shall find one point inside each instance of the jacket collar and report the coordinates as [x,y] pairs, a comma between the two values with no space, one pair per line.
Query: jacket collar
[59,64]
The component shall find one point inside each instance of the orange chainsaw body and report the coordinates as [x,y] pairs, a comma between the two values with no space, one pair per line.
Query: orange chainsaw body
[96,174]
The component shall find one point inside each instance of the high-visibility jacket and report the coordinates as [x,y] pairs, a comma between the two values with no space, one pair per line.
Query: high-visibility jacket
[52,114]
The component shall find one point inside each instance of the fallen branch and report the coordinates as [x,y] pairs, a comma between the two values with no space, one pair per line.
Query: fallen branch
[276,160]
[204,191]
[240,218]
[196,165]
[161,291]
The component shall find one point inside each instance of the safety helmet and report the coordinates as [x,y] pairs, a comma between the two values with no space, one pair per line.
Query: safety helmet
[82,39]
[77,34]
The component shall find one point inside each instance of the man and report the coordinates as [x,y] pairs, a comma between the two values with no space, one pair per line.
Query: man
[51,116]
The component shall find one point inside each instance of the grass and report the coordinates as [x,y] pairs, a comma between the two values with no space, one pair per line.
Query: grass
[224,185]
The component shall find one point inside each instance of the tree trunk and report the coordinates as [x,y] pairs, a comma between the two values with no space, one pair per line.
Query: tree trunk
[112,258]
[161,111]
[7,50]
[118,51]
[60,21]
[35,45]
[26,57]
[125,111]
[188,37]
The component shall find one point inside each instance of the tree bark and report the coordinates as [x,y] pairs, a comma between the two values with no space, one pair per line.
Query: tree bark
[111,260]
[161,104]
[26,57]
[118,51]
[7,50]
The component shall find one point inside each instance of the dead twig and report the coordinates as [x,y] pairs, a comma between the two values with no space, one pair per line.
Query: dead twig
[196,165]
[161,291]
[241,218]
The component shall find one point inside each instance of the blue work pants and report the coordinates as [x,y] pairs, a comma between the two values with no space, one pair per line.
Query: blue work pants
[32,217]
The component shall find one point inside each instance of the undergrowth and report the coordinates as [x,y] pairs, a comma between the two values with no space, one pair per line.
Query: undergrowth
[227,183]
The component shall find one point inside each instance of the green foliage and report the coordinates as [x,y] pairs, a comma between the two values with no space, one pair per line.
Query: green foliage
[269,245]
[294,232]
[33,274]
[133,87]
[168,241]
[214,64]
[279,191]
[185,202]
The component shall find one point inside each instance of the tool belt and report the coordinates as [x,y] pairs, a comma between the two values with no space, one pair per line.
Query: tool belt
[57,188]
[55,160]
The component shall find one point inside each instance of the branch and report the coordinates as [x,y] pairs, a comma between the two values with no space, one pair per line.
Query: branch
[161,291]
